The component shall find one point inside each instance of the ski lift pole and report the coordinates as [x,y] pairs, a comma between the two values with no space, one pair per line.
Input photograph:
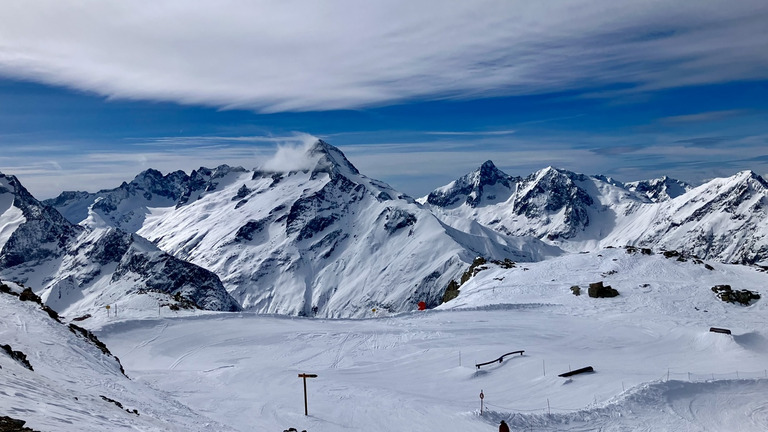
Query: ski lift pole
[304,377]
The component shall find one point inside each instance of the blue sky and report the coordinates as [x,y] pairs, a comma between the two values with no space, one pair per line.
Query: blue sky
[415,93]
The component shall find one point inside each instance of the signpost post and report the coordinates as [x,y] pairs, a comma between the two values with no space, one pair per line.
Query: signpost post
[107,310]
[482,396]
[304,376]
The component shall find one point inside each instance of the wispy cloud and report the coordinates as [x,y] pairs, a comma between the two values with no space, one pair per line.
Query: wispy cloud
[472,133]
[703,117]
[273,55]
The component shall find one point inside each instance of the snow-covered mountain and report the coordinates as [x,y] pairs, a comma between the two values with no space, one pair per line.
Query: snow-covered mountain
[125,207]
[551,204]
[484,186]
[325,240]
[77,267]
[724,219]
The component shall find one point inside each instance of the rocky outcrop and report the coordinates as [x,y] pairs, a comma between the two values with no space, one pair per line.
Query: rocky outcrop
[729,295]
[598,290]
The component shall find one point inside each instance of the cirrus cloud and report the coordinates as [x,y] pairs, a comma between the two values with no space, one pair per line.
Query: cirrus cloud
[276,55]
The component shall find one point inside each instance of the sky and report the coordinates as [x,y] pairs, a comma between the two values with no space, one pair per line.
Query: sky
[92,92]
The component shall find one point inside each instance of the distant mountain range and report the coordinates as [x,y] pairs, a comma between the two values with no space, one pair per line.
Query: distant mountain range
[329,241]
[325,241]
[723,219]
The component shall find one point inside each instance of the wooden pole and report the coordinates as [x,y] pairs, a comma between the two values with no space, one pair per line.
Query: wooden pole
[304,377]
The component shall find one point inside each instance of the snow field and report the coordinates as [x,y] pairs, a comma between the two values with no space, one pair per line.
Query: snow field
[416,371]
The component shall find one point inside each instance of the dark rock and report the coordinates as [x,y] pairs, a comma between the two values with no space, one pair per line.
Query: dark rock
[506,264]
[252,227]
[30,296]
[597,290]
[18,356]
[451,292]
[9,424]
[6,289]
[119,405]
[241,193]
[729,295]
[576,290]
[397,219]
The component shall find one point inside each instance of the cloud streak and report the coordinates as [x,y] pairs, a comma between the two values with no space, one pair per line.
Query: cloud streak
[273,55]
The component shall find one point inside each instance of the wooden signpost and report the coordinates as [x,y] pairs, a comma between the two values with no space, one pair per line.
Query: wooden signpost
[304,376]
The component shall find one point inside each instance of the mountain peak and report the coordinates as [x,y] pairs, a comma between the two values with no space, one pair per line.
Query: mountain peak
[330,160]
[660,189]
[485,182]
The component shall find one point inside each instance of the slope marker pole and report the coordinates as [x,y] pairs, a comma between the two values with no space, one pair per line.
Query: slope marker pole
[482,396]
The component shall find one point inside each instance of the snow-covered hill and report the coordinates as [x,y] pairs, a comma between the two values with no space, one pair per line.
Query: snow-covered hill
[76,268]
[724,219]
[68,382]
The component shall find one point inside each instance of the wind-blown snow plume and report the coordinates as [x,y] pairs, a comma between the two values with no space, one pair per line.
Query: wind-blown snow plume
[292,156]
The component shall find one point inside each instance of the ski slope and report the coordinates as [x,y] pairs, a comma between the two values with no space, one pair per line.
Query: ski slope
[657,367]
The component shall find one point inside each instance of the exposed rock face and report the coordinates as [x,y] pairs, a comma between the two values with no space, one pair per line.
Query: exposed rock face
[661,189]
[163,273]
[553,191]
[45,234]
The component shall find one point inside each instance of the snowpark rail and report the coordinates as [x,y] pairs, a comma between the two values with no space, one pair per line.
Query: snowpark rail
[500,359]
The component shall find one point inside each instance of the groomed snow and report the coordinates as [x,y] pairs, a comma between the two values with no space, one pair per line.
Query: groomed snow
[657,367]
